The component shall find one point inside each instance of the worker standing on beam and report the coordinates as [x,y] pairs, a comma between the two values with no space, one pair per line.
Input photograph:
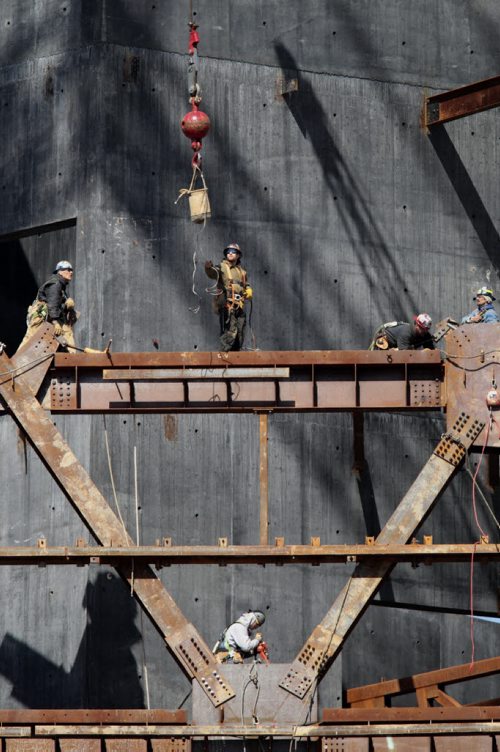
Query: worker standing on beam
[232,292]
[236,642]
[400,335]
[53,305]
[485,312]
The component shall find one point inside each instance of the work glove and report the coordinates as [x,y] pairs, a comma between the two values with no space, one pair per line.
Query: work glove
[58,330]
[70,303]
[208,265]
[248,293]
[258,636]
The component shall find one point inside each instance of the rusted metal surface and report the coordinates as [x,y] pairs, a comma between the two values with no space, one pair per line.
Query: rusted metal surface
[274,730]
[26,716]
[263,478]
[464,744]
[171,745]
[30,745]
[415,744]
[79,745]
[341,744]
[248,382]
[462,102]
[464,713]
[472,369]
[429,681]
[316,553]
[328,637]
[166,374]
[184,641]
[126,745]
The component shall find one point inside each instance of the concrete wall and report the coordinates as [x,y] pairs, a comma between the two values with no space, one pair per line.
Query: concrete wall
[348,215]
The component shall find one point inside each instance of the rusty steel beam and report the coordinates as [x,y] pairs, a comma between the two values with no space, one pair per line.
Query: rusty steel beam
[79,716]
[460,714]
[428,679]
[260,554]
[288,731]
[328,638]
[461,102]
[263,479]
[256,382]
[185,643]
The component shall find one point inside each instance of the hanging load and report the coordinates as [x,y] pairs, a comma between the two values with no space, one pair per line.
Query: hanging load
[195,125]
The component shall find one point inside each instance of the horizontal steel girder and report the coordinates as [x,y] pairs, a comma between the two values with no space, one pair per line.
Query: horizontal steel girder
[261,730]
[462,102]
[246,382]
[222,555]
[185,643]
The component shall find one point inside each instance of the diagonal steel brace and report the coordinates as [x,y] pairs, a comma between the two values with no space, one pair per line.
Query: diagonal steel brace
[185,643]
[327,639]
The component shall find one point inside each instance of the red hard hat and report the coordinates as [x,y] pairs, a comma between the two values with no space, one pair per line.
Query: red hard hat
[424,321]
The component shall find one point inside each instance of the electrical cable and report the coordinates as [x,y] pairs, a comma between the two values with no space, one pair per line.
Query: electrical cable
[26,366]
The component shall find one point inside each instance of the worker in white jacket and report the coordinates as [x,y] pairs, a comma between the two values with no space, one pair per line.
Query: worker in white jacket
[236,642]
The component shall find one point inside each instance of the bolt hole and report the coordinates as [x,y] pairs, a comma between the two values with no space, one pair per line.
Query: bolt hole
[333,33]
[265,271]
[335,281]
[103,250]
[196,514]
[59,173]
[472,52]
[153,89]
[153,173]
[337,448]
[335,198]
[334,114]
[472,133]
[195,347]
[406,289]
[102,334]
[265,187]
[124,422]
[263,23]
[196,430]
[62,91]
[264,104]
[403,124]
[403,44]
[196,600]
[404,207]
[153,257]
[338,532]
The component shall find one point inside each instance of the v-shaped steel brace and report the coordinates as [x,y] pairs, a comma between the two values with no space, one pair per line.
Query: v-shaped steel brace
[17,396]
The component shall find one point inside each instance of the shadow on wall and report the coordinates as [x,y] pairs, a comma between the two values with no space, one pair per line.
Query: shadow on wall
[467,193]
[105,672]
[354,211]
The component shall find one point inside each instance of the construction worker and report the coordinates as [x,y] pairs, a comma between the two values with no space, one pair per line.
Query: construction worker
[236,642]
[400,335]
[52,304]
[231,294]
[485,312]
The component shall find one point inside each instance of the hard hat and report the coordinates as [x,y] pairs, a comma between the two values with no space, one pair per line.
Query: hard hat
[486,292]
[232,247]
[63,266]
[424,321]
[259,617]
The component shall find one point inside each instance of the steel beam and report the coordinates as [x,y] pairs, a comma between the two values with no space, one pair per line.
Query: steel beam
[185,643]
[461,102]
[262,554]
[289,731]
[426,680]
[327,639]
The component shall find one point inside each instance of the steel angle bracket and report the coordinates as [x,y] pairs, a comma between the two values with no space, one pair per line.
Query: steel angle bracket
[186,644]
[327,639]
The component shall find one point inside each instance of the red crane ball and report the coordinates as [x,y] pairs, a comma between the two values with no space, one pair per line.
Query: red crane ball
[195,125]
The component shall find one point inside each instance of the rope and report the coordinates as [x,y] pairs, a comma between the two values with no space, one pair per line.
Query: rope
[111,476]
[21,369]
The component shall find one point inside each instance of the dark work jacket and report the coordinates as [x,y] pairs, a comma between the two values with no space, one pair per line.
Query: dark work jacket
[53,292]
[404,336]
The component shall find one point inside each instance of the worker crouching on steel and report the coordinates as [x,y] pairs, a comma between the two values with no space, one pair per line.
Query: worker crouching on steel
[485,312]
[231,295]
[400,335]
[52,304]
[236,642]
